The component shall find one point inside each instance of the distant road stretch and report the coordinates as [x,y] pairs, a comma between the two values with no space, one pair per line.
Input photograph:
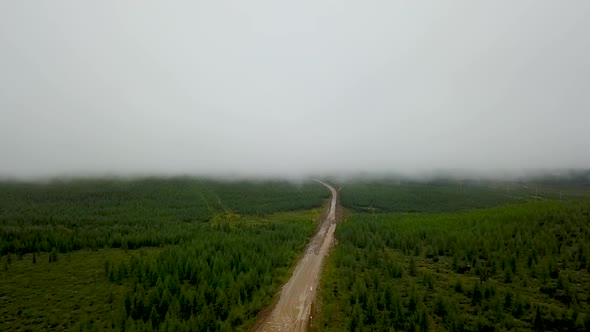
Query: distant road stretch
[293,310]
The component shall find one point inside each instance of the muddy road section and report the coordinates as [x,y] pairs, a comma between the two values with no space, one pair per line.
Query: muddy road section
[292,311]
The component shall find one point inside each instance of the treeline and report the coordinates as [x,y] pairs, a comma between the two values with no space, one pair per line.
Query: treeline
[516,267]
[389,195]
[112,213]
[218,281]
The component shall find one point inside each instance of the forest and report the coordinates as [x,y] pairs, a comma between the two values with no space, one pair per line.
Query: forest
[516,267]
[218,281]
[446,194]
[68,215]
[183,254]
[150,254]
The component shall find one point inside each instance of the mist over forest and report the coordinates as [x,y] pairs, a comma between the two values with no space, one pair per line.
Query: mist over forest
[293,90]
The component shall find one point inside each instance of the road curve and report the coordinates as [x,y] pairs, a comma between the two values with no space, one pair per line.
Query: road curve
[292,311]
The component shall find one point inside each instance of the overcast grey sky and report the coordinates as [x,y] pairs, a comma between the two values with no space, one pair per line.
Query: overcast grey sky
[277,87]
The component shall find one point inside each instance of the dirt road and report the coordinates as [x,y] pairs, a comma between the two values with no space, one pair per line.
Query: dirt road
[292,312]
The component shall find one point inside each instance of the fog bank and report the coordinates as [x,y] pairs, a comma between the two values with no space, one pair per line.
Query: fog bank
[266,88]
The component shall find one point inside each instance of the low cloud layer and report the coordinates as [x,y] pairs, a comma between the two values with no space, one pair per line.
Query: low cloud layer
[275,88]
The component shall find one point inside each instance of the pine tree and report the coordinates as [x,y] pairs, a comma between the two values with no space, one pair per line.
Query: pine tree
[412,267]
[53,255]
[538,323]
[155,317]
[477,295]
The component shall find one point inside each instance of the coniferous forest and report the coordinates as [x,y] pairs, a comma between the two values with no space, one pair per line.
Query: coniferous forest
[149,254]
[524,265]
[190,254]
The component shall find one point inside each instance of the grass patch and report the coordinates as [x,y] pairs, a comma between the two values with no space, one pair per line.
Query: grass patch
[59,295]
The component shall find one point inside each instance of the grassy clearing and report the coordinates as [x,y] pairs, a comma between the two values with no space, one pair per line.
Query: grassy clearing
[519,267]
[58,295]
[219,280]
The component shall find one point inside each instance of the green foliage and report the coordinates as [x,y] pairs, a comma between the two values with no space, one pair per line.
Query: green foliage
[436,196]
[225,248]
[225,275]
[514,267]
[412,267]
[99,213]
[219,280]
[62,295]
[53,256]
